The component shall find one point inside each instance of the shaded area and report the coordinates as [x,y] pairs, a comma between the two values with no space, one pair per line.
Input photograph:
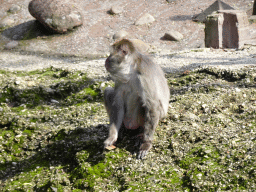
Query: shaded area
[195,62]
[26,31]
[17,92]
[61,151]
[181,17]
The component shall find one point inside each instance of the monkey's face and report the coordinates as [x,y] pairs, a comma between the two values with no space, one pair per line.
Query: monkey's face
[114,62]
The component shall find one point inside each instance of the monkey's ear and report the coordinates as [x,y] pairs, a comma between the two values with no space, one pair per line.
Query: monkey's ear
[124,45]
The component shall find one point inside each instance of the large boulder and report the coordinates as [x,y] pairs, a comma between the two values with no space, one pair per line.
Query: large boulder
[57,15]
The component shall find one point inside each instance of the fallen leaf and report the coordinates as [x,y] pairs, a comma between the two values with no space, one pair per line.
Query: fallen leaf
[111,147]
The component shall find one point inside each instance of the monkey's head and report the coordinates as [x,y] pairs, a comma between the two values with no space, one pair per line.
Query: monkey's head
[120,57]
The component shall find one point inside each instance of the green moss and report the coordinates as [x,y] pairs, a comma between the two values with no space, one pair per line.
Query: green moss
[47,145]
[88,175]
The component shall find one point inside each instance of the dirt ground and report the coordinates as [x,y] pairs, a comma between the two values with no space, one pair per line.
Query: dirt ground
[95,35]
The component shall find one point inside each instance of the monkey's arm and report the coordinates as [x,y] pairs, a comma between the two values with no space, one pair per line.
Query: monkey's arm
[116,119]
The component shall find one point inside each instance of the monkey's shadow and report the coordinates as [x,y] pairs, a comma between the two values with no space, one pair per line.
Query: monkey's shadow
[130,139]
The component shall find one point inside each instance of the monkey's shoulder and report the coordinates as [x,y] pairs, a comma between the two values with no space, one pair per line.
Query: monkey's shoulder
[147,66]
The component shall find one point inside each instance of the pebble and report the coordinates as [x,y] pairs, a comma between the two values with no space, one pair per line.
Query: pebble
[116,9]
[120,34]
[14,163]
[54,101]
[14,9]
[189,117]
[145,19]
[17,82]
[173,35]
[11,45]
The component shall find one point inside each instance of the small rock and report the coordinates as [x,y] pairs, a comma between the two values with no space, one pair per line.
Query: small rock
[175,117]
[102,85]
[54,189]
[54,101]
[204,106]
[145,19]
[49,90]
[194,125]
[208,151]
[140,45]
[31,83]
[7,22]
[188,117]
[120,34]
[14,9]
[11,45]
[173,36]
[17,82]
[116,9]
[199,175]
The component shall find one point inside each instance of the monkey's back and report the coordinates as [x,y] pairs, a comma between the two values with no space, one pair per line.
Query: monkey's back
[155,85]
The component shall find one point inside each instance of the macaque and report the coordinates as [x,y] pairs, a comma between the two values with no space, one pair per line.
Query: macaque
[140,97]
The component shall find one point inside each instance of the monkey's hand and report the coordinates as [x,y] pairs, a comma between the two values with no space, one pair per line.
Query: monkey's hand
[144,148]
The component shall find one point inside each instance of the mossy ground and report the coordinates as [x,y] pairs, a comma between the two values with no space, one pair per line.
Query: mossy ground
[53,124]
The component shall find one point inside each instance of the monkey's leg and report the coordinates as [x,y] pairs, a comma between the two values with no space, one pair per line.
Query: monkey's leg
[151,121]
[115,109]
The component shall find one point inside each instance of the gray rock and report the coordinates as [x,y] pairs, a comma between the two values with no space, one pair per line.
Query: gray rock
[189,117]
[145,19]
[116,9]
[11,45]
[54,101]
[14,9]
[140,45]
[120,34]
[173,36]
[17,82]
[59,16]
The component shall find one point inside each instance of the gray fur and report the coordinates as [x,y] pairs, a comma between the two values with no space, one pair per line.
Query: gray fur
[140,97]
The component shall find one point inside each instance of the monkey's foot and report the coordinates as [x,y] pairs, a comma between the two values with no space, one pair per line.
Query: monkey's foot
[109,141]
[144,148]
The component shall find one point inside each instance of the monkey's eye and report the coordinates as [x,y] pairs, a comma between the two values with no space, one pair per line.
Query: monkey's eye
[124,52]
